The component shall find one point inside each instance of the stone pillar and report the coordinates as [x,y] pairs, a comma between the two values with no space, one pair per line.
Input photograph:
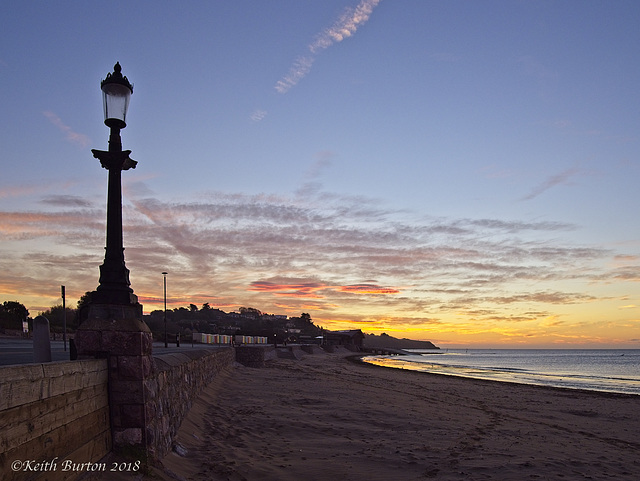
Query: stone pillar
[117,333]
[41,341]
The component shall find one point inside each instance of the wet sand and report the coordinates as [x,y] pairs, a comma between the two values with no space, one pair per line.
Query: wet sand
[326,418]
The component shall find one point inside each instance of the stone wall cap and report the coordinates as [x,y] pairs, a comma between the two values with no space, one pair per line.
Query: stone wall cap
[173,359]
[123,325]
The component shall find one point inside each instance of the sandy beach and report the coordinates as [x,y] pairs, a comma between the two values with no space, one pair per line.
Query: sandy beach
[324,417]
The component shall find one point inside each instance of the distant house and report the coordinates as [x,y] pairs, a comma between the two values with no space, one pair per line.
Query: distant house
[353,338]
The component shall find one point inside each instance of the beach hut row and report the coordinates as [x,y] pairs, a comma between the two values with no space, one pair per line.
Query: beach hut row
[250,339]
[225,339]
[211,338]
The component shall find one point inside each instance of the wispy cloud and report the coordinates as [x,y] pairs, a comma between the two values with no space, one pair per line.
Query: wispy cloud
[554,180]
[30,225]
[338,257]
[290,287]
[258,115]
[345,26]
[300,68]
[66,201]
[41,188]
[311,288]
[370,289]
[72,136]
[18,190]
[323,161]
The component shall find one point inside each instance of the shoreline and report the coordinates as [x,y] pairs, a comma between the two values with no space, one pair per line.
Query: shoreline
[358,359]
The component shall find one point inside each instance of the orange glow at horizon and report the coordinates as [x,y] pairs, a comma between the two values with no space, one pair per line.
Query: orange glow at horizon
[492,326]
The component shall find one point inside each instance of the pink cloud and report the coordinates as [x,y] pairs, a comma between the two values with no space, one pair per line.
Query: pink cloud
[72,136]
[310,289]
[368,289]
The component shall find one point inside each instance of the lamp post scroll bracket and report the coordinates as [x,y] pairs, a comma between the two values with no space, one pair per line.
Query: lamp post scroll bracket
[117,160]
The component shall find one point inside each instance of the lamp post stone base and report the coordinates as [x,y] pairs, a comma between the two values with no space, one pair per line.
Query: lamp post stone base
[117,333]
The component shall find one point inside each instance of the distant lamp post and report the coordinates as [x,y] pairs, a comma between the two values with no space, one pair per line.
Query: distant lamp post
[64,318]
[114,285]
[166,340]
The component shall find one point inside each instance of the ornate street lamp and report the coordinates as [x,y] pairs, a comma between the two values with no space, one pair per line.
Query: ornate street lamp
[112,327]
[114,285]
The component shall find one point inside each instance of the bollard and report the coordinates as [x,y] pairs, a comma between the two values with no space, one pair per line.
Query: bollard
[73,351]
[41,341]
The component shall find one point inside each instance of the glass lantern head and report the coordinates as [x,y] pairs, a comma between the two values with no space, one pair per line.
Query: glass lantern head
[116,92]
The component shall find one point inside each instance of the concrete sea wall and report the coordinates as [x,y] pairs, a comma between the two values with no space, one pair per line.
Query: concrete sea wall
[52,413]
[55,417]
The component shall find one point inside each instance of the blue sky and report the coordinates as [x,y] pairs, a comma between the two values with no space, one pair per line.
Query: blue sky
[459,171]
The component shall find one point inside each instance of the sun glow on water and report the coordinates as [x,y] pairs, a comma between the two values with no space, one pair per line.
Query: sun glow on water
[597,370]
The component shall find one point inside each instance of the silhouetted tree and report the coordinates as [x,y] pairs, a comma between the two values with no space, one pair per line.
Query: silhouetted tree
[12,314]
[82,311]
[55,315]
[250,312]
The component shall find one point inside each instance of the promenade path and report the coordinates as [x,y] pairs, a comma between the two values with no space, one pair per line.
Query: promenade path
[20,351]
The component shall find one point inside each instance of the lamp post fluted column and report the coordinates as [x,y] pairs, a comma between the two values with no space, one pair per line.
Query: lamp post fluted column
[115,287]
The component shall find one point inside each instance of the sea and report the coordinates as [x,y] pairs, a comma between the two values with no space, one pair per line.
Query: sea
[609,370]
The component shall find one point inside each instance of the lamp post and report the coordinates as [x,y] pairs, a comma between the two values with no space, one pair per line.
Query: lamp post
[112,327]
[166,341]
[64,318]
[114,285]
